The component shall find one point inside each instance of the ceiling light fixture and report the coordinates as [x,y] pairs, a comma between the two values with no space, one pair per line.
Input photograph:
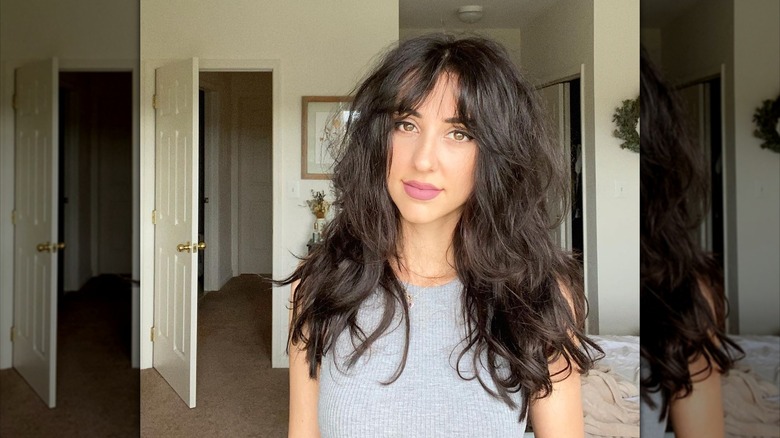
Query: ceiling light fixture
[470,14]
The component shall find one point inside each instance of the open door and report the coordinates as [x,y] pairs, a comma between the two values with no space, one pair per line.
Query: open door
[34,333]
[176,226]
[556,100]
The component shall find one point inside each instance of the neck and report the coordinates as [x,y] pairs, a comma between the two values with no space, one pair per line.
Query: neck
[426,254]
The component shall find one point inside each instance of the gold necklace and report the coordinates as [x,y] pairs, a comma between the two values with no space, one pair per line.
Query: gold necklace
[409,298]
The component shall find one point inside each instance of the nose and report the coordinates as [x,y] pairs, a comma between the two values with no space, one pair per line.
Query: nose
[425,153]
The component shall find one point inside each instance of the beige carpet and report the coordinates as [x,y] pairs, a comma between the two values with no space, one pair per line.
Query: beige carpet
[238,393]
[97,390]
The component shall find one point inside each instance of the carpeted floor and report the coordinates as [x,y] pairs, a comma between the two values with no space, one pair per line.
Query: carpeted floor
[238,393]
[97,390]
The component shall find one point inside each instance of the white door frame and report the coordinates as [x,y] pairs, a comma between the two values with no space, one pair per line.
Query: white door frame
[7,190]
[147,172]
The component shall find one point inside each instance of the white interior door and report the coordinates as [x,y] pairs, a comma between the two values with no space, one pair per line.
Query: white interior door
[556,100]
[176,231]
[34,333]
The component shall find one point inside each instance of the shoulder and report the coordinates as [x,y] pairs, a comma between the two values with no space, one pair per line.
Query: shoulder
[573,295]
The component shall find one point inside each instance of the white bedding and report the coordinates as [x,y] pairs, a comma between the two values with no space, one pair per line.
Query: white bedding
[621,354]
[762,355]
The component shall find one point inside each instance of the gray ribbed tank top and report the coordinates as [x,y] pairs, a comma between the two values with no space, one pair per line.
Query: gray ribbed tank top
[650,425]
[429,399]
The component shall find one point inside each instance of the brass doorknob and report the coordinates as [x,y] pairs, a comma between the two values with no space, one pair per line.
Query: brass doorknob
[57,246]
[201,245]
[184,247]
[44,247]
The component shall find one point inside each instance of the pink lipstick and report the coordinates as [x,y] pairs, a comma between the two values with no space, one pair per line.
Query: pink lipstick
[421,191]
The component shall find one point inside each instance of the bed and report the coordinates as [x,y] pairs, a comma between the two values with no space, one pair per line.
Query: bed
[610,391]
[751,400]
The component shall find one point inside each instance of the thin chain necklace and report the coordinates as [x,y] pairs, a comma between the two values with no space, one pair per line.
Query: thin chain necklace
[409,298]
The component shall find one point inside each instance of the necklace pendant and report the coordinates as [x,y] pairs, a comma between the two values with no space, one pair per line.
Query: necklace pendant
[409,300]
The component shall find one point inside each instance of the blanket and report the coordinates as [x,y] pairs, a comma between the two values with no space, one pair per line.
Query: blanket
[750,404]
[610,404]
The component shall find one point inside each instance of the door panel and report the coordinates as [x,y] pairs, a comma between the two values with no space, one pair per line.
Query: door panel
[176,204]
[35,232]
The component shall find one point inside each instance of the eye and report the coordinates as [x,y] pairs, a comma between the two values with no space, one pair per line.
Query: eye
[405,126]
[460,136]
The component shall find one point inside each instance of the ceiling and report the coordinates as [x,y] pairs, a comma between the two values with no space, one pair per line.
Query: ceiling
[439,14]
[442,14]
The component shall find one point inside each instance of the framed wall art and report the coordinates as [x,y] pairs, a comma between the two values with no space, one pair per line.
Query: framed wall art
[323,124]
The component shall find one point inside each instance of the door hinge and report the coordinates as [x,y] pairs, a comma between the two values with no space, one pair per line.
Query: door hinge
[151,335]
[154,217]
[12,333]
[13,216]
[155,104]
[14,104]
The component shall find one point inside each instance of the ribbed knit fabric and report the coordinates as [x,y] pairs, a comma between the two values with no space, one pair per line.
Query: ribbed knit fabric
[650,425]
[429,399]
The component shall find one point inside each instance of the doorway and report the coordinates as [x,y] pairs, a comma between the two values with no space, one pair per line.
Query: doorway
[562,105]
[575,171]
[93,195]
[95,222]
[235,189]
[231,188]
[702,108]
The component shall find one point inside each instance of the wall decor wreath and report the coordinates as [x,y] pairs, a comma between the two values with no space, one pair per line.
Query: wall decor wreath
[767,120]
[627,119]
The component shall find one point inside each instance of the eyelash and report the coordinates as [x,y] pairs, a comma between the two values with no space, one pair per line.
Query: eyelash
[400,125]
[468,137]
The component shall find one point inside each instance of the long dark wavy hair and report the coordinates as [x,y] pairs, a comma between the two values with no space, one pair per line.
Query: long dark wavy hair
[517,317]
[681,320]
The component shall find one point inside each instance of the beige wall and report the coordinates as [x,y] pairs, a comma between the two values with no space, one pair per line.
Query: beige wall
[83,34]
[757,171]
[741,42]
[318,49]
[616,78]
[601,40]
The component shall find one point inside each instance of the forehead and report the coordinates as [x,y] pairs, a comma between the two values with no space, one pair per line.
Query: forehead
[441,97]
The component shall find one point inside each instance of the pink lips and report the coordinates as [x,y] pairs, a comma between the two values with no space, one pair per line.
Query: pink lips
[421,191]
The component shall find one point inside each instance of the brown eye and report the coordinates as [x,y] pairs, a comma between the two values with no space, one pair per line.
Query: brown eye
[460,136]
[405,126]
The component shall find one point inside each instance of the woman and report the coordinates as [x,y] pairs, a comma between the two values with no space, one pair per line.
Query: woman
[437,304]
[683,345]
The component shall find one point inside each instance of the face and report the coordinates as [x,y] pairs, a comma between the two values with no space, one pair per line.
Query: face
[432,160]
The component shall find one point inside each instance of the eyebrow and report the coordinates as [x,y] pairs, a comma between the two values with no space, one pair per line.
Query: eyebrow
[454,120]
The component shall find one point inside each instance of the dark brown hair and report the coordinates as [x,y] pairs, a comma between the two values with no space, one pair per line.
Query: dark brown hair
[681,321]
[516,315]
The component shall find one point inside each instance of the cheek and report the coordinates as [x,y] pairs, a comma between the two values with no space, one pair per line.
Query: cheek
[467,169]
[397,157]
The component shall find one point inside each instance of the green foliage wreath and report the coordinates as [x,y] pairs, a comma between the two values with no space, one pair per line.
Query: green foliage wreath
[767,125]
[627,117]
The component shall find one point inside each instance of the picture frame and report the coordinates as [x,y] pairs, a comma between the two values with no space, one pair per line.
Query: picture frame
[323,123]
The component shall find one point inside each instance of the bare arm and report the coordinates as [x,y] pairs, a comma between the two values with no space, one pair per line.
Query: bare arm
[560,413]
[700,413]
[304,393]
